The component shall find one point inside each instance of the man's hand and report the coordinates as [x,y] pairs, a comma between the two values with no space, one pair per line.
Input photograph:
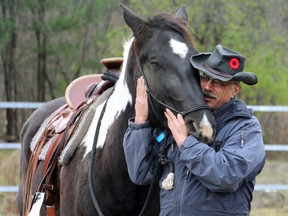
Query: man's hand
[177,127]
[141,104]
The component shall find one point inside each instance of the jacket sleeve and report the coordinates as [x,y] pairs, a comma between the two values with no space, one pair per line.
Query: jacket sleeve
[140,152]
[240,159]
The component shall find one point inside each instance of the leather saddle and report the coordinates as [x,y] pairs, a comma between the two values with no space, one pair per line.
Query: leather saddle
[79,94]
[93,85]
[88,87]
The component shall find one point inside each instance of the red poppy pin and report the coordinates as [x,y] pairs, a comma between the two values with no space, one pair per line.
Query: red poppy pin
[234,63]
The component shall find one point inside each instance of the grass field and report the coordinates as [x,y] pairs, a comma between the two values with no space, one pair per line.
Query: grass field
[9,176]
[264,203]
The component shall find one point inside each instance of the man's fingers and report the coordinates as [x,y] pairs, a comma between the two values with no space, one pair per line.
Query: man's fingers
[180,118]
[168,115]
[141,87]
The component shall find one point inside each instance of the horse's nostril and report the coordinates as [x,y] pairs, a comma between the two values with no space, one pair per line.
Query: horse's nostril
[192,128]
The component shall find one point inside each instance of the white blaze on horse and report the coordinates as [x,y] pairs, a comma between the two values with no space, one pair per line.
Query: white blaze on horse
[86,172]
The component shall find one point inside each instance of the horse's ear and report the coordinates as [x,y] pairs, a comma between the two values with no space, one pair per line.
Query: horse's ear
[181,12]
[132,20]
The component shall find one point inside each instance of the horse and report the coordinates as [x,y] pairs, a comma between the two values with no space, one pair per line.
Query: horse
[160,51]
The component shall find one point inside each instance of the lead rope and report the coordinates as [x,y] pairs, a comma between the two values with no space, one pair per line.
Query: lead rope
[112,77]
[168,182]
[91,167]
[162,161]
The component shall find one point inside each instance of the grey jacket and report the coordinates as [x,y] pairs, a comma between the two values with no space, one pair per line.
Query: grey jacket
[209,180]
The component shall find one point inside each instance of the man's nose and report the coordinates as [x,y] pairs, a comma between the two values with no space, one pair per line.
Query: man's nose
[208,85]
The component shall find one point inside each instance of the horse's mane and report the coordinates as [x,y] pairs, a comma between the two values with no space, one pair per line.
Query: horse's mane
[167,21]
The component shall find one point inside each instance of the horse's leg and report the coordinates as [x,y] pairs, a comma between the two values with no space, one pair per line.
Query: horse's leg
[28,131]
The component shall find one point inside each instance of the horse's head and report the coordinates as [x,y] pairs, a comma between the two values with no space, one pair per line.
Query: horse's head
[161,52]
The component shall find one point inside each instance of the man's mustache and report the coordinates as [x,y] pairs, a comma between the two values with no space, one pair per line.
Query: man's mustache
[209,94]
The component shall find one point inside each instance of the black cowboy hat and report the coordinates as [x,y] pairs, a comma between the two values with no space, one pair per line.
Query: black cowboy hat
[223,64]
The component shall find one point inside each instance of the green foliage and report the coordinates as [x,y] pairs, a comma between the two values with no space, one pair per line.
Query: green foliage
[4,32]
[59,24]
[81,33]
[251,28]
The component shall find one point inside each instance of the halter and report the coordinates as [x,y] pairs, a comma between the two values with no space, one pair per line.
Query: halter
[151,96]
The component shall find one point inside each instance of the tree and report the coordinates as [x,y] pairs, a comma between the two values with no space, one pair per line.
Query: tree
[46,44]
[57,42]
[8,31]
[251,28]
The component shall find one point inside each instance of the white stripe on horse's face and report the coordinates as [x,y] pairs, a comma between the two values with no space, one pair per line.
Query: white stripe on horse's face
[206,128]
[116,104]
[179,48]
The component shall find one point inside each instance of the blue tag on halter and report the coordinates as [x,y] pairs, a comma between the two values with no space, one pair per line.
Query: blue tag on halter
[160,137]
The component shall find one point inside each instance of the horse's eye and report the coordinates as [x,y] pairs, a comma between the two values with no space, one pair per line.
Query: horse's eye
[156,65]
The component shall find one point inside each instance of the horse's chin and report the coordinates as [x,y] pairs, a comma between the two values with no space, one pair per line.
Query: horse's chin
[205,139]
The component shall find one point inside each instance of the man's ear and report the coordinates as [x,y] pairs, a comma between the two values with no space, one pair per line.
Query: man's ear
[237,88]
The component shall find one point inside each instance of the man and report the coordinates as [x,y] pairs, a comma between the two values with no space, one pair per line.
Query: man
[209,180]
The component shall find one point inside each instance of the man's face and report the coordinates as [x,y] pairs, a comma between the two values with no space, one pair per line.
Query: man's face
[217,93]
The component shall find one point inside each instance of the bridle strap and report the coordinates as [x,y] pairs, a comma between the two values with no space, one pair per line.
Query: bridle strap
[151,96]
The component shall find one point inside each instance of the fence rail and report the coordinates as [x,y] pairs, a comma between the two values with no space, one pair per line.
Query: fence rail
[256,108]
[35,105]
[268,147]
[20,105]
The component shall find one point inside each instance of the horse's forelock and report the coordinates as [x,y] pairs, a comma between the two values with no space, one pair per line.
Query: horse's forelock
[167,21]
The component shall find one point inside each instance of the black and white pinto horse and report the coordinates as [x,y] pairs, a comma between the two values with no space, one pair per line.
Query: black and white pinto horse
[159,50]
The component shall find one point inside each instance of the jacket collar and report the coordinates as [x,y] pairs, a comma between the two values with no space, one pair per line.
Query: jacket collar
[233,109]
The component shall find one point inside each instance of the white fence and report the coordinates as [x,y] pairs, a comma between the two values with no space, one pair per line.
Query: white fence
[268,147]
